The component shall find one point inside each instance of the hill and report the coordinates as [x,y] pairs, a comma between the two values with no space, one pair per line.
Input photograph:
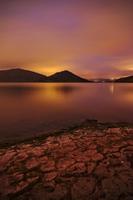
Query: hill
[21,75]
[128,79]
[66,76]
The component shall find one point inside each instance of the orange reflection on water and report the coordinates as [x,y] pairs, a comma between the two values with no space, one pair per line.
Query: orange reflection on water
[30,109]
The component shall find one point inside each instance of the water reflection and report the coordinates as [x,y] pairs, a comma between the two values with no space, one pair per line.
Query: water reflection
[23,89]
[112,88]
[28,109]
[17,90]
[67,89]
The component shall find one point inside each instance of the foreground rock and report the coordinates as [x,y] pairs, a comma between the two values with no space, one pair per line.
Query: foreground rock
[86,163]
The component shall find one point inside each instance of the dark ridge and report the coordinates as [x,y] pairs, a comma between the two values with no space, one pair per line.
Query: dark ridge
[21,75]
[66,76]
[128,79]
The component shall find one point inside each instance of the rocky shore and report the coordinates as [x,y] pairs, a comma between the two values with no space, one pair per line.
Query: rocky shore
[93,161]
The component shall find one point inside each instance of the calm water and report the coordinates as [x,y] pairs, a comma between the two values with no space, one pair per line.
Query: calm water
[27,110]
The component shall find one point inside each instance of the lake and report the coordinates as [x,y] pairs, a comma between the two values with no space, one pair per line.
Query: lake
[30,109]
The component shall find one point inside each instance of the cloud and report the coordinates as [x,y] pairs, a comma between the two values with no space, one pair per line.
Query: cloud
[87,36]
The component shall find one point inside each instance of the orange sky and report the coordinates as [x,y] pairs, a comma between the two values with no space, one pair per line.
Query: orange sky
[92,39]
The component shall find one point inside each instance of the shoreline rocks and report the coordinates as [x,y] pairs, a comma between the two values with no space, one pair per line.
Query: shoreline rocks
[92,161]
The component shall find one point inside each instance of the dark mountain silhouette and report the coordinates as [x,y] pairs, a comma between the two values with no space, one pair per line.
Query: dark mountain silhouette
[66,76]
[128,79]
[21,75]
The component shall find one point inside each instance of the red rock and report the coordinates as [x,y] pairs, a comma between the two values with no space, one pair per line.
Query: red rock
[102,171]
[65,139]
[115,161]
[92,146]
[90,167]
[48,166]
[18,176]
[77,168]
[4,160]
[22,185]
[50,176]
[113,188]
[130,142]
[83,156]
[97,157]
[32,163]
[26,146]
[22,155]
[83,188]
[114,130]
[14,189]
[130,131]
[37,151]
[59,193]
[49,186]
[63,164]
[43,159]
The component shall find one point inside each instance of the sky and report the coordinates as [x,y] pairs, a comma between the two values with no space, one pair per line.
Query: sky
[93,38]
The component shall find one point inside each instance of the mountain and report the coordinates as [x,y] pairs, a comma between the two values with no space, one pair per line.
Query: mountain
[21,75]
[66,76]
[128,79]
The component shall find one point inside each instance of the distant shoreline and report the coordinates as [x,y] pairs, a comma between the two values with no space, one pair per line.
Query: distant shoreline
[60,82]
[18,75]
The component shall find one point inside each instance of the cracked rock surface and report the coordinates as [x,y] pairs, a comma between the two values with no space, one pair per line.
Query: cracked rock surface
[84,164]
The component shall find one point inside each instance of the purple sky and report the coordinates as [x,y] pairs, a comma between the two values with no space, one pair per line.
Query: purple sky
[92,38]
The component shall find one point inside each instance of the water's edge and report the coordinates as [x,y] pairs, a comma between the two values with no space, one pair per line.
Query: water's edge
[90,123]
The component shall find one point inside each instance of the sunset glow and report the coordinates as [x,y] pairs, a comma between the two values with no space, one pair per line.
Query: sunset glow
[91,38]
